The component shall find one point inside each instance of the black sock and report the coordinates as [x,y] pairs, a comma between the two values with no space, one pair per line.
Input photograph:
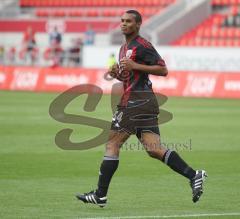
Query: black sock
[107,169]
[175,162]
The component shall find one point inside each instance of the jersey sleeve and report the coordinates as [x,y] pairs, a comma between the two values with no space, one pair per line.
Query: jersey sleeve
[151,57]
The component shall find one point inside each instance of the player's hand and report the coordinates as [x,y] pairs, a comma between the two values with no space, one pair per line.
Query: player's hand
[114,70]
[127,64]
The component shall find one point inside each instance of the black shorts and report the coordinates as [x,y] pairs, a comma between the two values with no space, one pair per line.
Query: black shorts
[137,117]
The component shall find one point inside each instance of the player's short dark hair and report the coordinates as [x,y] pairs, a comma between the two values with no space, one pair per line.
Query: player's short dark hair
[137,15]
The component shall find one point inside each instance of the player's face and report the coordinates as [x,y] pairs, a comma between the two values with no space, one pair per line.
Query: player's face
[128,24]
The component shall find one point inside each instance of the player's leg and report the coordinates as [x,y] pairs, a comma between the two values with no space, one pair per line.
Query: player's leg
[152,144]
[108,167]
[111,160]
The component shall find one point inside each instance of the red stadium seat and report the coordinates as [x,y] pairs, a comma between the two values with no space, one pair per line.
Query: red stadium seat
[59,13]
[76,13]
[234,10]
[218,19]
[92,13]
[107,13]
[211,32]
[100,11]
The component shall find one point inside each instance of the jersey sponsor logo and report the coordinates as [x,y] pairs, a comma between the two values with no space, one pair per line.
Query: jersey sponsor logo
[129,53]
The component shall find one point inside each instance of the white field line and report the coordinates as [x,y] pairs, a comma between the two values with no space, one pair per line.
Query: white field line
[171,216]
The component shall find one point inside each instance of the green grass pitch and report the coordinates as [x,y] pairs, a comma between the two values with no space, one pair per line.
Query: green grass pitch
[39,180]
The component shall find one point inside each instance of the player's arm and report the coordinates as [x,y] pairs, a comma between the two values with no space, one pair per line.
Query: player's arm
[128,65]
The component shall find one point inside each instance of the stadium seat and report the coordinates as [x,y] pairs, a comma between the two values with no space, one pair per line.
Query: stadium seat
[92,13]
[91,3]
[99,11]
[216,30]
[75,13]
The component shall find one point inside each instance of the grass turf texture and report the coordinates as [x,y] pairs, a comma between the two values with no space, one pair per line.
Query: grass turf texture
[39,180]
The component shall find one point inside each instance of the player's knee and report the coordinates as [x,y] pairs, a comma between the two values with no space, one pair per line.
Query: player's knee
[112,150]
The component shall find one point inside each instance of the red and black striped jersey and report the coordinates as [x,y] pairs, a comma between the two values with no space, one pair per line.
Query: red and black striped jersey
[142,52]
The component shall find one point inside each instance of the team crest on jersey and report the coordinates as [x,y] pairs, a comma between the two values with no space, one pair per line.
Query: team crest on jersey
[129,53]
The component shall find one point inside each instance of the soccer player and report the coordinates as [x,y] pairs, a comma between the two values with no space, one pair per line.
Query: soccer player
[137,112]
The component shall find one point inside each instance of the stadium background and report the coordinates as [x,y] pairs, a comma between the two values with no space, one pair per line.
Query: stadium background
[200,41]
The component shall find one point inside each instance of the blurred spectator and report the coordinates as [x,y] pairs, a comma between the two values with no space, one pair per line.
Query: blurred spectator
[2,53]
[229,21]
[11,55]
[74,52]
[111,60]
[232,21]
[237,20]
[55,36]
[54,54]
[89,36]
[29,49]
